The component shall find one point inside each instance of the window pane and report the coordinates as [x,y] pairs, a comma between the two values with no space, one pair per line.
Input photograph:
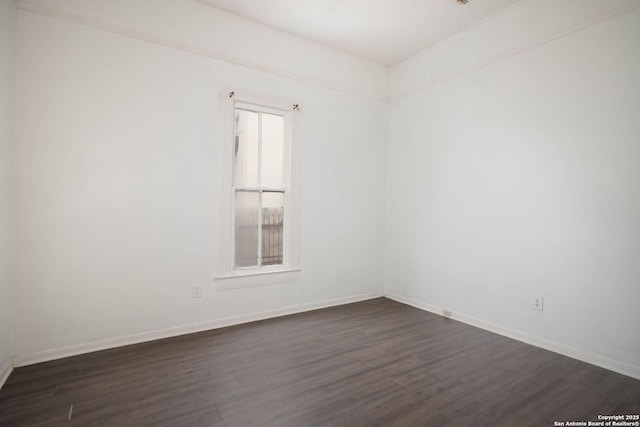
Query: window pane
[245,172]
[272,228]
[246,228]
[272,150]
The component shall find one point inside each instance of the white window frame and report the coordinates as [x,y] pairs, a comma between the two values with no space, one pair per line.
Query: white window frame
[227,276]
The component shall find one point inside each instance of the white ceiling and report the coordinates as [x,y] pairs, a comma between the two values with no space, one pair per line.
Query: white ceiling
[384,31]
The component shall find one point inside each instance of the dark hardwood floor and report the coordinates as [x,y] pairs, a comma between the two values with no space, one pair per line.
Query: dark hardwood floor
[376,362]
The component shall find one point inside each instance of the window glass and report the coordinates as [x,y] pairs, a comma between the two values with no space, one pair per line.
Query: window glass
[272,228]
[272,150]
[246,149]
[247,208]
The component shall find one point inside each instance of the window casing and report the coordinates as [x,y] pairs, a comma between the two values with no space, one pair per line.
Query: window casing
[259,217]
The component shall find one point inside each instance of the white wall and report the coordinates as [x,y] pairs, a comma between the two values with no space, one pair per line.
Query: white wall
[118,175]
[7,92]
[522,178]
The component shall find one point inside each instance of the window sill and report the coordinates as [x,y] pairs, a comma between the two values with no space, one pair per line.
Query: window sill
[251,279]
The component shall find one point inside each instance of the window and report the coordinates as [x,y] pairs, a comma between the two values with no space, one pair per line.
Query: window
[259,218]
[259,185]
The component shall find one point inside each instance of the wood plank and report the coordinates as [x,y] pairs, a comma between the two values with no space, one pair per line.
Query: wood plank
[377,362]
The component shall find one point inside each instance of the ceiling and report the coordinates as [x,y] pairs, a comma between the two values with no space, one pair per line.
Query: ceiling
[384,31]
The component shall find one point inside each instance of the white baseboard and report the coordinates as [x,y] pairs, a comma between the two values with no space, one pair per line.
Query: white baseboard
[575,353]
[74,350]
[5,371]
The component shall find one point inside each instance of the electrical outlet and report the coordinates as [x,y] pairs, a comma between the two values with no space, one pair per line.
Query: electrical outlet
[537,303]
[446,313]
[196,290]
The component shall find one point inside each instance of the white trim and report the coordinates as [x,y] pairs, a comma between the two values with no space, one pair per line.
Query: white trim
[5,371]
[225,218]
[74,350]
[199,51]
[277,105]
[455,75]
[565,350]
[252,278]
